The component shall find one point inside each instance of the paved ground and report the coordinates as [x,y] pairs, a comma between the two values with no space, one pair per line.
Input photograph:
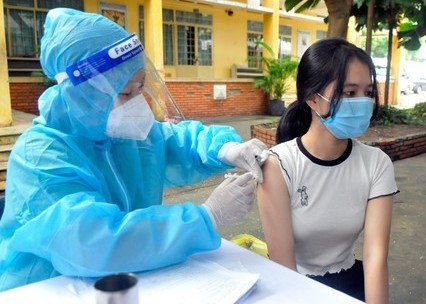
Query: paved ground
[408,242]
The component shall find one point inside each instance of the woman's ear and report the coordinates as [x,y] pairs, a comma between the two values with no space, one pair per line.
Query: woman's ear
[312,102]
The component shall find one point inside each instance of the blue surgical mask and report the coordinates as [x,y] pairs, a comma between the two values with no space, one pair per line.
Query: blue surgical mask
[351,119]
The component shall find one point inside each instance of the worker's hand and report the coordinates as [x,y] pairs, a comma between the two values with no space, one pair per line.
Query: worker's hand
[231,200]
[244,156]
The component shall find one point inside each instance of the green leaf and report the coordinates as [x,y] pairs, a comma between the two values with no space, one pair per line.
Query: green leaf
[276,73]
[410,43]
[307,5]
[290,4]
[359,3]
[407,26]
[265,46]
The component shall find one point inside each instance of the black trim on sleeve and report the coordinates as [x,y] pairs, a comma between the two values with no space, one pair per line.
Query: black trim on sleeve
[281,164]
[393,193]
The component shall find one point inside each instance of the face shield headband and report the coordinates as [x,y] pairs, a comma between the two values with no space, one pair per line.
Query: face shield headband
[102,61]
[92,69]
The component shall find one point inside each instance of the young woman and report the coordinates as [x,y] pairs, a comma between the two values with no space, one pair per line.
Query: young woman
[321,187]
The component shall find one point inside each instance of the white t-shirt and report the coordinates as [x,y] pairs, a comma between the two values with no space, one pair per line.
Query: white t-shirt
[329,200]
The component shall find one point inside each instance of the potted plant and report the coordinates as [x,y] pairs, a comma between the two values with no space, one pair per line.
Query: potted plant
[275,80]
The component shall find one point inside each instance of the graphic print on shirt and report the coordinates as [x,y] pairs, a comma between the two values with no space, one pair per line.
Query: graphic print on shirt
[303,196]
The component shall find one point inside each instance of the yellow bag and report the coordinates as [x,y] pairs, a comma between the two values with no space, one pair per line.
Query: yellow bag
[251,243]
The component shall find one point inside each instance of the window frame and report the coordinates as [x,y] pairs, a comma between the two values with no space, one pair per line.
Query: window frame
[171,60]
[204,23]
[254,32]
[283,36]
[37,32]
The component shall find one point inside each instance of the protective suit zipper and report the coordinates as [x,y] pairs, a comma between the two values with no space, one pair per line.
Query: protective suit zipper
[126,207]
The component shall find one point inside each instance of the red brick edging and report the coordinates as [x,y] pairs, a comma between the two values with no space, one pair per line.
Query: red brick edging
[397,148]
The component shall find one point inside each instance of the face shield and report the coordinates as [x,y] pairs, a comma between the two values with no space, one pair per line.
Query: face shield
[158,96]
[126,90]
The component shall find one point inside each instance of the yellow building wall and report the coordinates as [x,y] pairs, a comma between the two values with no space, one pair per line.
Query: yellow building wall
[132,11]
[271,26]
[229,42]
[5,106]
[229,32]
[302,25]
[397,70]
[296,26]
[230,35]
[229,39]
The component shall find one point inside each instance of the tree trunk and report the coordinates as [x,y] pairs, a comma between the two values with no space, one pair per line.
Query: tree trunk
[338,17]
[389,62]
[391,18]
[370,21]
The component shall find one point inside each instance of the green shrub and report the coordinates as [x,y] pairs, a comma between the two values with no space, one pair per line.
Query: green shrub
[389,116]
[418,113]
[277,73]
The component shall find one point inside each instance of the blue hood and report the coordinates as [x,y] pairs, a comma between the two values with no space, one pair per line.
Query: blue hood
[71,36]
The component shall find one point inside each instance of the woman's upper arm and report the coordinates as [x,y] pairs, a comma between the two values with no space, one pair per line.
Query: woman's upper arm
[377,226]
[275,214]
[375,249]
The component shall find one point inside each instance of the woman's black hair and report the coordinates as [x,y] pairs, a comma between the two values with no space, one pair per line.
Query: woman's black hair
[322,63]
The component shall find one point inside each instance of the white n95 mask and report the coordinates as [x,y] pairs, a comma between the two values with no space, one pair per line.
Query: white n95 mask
[131,120]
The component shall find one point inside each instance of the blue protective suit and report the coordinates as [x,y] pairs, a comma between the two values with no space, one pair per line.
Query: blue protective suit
[79,203]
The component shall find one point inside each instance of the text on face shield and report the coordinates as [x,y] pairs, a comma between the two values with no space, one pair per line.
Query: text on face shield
[124,47]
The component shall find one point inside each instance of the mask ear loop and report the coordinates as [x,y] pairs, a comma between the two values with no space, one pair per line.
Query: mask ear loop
[326,99]
[330,112]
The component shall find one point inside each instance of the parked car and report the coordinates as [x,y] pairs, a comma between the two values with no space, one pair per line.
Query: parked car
[419,85]
[406,84]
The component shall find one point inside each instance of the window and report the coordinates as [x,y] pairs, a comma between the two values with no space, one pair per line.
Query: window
[204,46]
[186,45]
[24,24]
[168,19]
[194,38]
[321,35]
[254,52]
[168,46]
[187,37]
[284,47]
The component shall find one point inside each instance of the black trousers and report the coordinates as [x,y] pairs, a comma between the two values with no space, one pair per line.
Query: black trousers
[350,281]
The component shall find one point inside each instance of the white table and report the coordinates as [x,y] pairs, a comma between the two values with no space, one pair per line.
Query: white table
[277,284]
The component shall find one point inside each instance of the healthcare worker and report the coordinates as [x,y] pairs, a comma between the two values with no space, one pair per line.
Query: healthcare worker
[85,182]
